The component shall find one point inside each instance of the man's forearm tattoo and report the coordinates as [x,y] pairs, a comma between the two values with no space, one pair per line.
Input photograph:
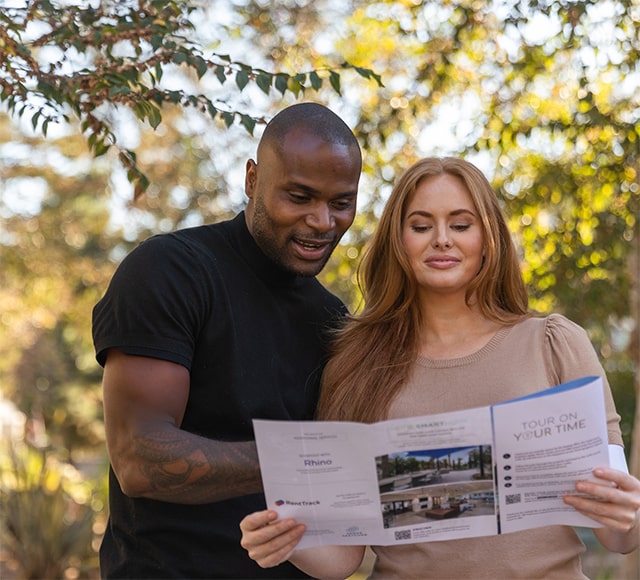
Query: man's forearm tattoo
[180,463]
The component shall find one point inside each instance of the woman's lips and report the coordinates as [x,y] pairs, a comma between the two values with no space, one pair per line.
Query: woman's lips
[442,262]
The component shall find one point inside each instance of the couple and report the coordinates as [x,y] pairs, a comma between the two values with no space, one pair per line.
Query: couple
[202,330]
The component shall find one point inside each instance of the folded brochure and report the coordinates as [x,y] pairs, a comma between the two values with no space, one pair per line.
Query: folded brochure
[476,472]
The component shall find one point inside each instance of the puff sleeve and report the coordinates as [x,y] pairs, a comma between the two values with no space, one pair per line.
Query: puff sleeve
[570,355]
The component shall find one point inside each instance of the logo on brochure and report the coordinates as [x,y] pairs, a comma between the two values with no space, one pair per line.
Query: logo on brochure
[281,502]
[354,532]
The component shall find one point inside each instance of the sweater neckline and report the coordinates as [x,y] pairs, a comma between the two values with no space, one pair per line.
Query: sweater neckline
[490,346]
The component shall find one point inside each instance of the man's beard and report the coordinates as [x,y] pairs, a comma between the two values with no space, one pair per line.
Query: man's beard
[263,229]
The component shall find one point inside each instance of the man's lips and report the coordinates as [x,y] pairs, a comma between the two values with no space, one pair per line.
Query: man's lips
[311,248]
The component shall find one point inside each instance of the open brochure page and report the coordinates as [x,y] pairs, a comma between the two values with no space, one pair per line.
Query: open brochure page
[435,477]
[398,481]
[431,478]
[322,474]
[542,448]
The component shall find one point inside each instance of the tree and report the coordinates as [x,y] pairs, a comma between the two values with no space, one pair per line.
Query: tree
[54,264]
[542,95]
[115,56]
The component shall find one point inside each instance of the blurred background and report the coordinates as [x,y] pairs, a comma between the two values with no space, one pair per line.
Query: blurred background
[544,96]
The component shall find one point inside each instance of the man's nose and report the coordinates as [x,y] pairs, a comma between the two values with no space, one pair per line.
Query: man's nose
[320,218]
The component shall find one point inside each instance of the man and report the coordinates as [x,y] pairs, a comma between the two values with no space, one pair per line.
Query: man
[204,329]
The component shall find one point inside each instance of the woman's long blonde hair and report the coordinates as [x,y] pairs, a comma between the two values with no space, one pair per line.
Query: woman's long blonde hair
[373,353]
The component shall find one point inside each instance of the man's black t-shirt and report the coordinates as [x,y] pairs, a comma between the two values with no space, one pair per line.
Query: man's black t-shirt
[254,340]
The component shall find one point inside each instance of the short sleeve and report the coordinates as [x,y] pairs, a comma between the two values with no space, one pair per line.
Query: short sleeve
[570,355]
[154,304]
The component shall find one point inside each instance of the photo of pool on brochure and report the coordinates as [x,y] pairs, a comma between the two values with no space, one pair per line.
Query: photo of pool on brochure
[476,472]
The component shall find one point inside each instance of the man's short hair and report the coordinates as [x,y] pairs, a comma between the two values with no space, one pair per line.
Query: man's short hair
[325,124]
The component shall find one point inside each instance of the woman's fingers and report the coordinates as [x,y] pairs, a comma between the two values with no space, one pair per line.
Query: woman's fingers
[267,540]
[257,520]
[617,499]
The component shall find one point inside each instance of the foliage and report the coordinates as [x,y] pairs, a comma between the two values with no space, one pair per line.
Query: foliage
[55,263]
[47,513]
[58,59]
[543,95]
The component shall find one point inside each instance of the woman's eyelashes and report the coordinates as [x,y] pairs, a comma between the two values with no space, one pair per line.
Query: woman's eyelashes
[421,228]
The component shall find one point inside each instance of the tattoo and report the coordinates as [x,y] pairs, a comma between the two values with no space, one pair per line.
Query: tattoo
[187,468]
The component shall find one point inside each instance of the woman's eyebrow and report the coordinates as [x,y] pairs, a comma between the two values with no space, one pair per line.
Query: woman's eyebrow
[455,212]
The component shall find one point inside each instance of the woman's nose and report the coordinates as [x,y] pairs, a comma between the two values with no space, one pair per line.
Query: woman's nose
[441,239]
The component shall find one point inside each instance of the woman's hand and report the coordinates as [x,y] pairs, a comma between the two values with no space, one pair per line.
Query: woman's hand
[270,541]
[616,506]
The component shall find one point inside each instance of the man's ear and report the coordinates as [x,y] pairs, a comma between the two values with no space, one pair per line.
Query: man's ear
[250,178]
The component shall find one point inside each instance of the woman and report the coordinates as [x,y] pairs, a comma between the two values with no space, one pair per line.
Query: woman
[446,326]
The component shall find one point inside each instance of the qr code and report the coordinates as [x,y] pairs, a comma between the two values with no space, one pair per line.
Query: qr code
[512,498]
[403,535]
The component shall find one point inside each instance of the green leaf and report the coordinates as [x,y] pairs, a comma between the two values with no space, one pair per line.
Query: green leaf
[263,80]
[294,86]
[281,82]
[334,79]
[242,78]
[316,81]
[100,148]
[119,90]
[131,74]
[228,118]
[179,57]
[158,97]
[115,78]
[156,41]
[221,74]
[154,116]
[201,66]
[141,183]
[139,110]
[378,79]
[368,74]
[248,122]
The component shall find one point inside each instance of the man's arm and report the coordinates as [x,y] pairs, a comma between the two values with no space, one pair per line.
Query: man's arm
[144,403]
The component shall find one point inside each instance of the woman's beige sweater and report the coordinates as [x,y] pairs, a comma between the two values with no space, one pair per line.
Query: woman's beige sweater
[532,355]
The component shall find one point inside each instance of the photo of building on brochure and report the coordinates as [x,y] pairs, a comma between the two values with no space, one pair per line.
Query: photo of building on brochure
[427,485]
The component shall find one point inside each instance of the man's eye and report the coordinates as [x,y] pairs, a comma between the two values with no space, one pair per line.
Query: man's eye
[298,197]
[343,205]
